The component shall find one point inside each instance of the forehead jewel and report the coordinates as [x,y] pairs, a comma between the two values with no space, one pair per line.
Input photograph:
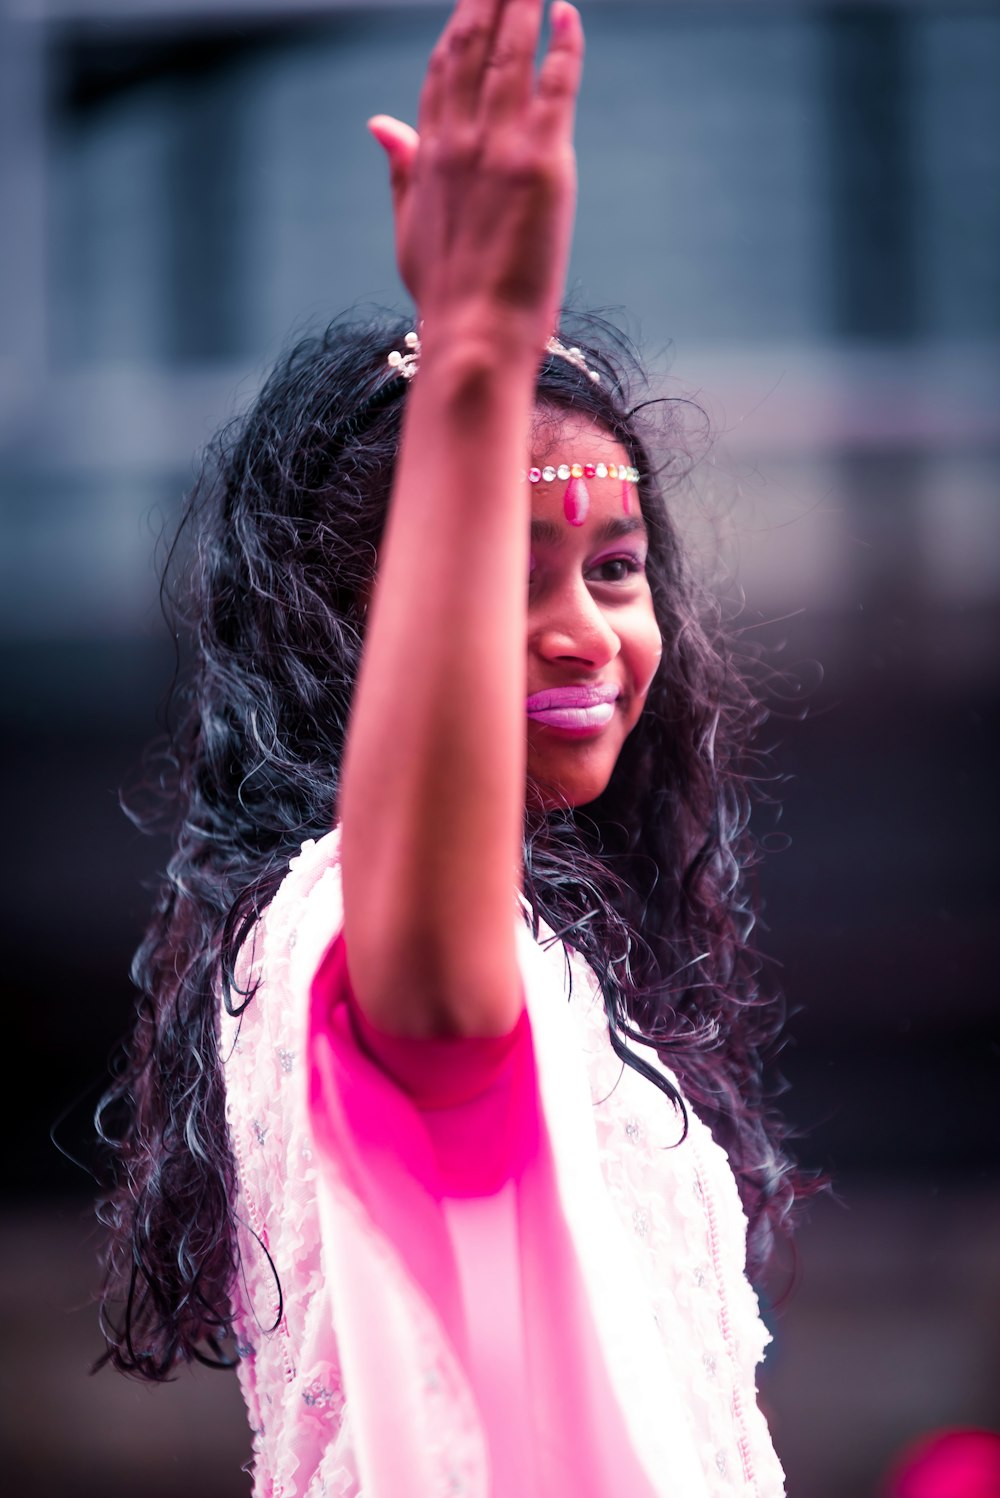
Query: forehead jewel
[576,498]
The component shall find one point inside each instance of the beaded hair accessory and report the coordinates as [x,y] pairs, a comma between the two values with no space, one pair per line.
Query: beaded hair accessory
[407,364]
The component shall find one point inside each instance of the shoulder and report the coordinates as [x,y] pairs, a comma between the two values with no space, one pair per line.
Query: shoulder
[307,910]
[304,915]
[263,1045]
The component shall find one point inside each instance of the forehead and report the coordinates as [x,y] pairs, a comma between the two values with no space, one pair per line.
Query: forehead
[557,432]
[579,484]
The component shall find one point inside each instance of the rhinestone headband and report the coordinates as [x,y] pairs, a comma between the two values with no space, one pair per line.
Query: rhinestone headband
[576,495]
[407,364]
[567,471]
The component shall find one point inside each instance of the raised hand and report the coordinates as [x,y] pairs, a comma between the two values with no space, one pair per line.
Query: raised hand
[484,195]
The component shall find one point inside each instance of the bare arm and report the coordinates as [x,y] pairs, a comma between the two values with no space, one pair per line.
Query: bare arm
[433,789]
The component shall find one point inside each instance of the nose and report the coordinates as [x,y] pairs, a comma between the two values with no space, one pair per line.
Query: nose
[572,626]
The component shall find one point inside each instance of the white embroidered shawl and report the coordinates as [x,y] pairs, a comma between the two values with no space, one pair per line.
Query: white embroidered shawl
[657,1227]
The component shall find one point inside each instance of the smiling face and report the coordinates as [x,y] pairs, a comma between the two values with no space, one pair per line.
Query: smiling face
[593,641]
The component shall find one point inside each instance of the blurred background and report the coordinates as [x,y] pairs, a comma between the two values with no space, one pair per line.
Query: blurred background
[795,210]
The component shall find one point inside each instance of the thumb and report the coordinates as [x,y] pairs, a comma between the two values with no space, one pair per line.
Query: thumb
[400,142]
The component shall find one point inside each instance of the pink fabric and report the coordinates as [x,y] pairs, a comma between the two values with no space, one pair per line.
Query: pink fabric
[484,1233]
[413,1122]
[475,1097]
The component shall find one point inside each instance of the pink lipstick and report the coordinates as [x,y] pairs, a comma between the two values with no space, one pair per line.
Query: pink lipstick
[579,709]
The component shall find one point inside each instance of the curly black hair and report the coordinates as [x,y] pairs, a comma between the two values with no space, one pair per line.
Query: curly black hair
[277,552]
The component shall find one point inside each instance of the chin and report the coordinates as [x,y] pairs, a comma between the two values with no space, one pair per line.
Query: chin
[570,787]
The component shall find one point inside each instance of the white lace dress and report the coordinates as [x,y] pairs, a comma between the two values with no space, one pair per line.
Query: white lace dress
[357,1381]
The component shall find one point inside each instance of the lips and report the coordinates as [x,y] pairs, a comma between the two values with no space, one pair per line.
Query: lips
[577,708]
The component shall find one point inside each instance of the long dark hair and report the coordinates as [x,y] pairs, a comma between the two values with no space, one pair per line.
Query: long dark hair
[276,554]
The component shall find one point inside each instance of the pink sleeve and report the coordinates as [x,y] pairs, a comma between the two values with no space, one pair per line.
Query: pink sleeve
[475,1097]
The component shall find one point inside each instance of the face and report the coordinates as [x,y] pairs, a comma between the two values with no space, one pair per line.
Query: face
[593,640]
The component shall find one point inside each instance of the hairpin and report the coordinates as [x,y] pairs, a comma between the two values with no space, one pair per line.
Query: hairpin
[573,356]
[407,364]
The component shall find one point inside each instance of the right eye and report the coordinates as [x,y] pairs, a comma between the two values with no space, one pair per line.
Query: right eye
[617,569]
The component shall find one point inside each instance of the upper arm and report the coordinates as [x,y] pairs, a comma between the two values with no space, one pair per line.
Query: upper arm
[420,978]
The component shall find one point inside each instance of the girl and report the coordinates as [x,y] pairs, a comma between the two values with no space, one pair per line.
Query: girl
[439,1115]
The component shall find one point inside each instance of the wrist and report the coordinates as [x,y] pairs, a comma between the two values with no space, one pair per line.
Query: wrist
[481,339]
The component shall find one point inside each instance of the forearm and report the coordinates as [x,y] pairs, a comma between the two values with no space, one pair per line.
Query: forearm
[433,788]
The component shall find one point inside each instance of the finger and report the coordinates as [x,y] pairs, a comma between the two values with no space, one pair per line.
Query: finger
[399,142]
[559,75]
[510,70]
[466,44]
[432,92]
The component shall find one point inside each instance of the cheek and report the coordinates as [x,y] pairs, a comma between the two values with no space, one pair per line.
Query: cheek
[647,650]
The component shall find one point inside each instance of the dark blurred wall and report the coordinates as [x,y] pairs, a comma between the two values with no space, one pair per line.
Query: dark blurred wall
[796,209]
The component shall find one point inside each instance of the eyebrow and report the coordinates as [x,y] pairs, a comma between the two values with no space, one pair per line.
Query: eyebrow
[611,530]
